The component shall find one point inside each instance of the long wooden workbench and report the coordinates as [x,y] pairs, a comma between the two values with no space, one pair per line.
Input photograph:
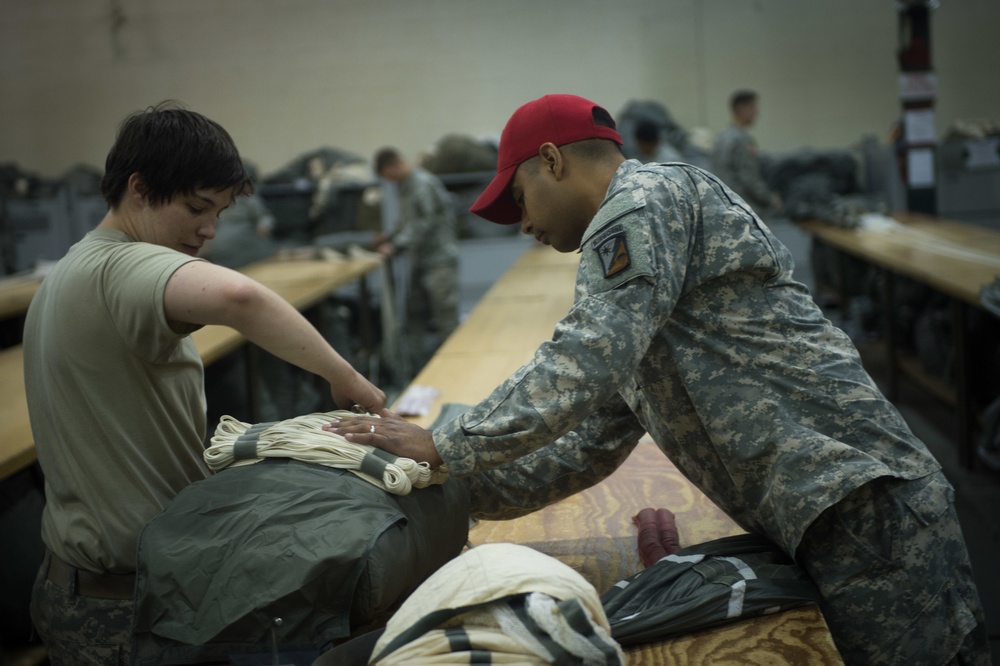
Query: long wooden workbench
[954,258]
[303,283]
[593,531]
[16,293]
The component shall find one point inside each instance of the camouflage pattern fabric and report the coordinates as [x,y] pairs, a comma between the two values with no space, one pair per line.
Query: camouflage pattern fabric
[433,296]
[428,224]
[897,546]
[688,325]
[429,235]
[735,162]
[78,630]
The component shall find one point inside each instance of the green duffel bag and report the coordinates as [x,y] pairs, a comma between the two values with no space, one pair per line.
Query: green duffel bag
[328,553]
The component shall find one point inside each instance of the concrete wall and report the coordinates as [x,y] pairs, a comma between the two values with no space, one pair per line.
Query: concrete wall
[288,76]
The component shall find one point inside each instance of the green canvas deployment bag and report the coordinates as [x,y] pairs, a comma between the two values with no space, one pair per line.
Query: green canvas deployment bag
[325,551]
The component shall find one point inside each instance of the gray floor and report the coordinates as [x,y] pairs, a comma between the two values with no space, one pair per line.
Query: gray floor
[977,491]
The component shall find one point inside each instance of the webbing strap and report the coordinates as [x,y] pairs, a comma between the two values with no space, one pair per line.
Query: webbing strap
[245,446]
[373,465]
[384,455]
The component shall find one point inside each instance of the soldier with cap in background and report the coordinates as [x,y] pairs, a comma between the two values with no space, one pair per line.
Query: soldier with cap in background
[688,325]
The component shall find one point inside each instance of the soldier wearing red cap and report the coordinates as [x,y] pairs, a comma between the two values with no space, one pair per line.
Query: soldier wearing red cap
[688,325]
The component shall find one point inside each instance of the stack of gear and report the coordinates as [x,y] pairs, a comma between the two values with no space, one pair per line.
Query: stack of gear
[296,554]
[466,165]
[317,193]
[16,184]
[647,111]
[970,144]
[83,179]
[457,153]
[703,586]
[821,185]
[500,604]
[825,186]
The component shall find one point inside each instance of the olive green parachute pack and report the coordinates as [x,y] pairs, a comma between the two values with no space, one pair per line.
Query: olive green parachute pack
[285,554]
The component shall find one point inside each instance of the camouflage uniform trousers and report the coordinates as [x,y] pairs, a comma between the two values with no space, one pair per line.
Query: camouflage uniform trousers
[431,308]
[78,630]
[894,572]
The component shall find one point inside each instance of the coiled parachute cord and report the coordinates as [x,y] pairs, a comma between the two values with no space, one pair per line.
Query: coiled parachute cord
[302,438]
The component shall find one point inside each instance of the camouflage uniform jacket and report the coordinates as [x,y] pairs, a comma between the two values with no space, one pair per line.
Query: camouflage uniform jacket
[428,227]
[687,325]
[735,162]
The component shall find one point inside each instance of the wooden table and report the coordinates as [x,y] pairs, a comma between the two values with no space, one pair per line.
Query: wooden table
[592,531]
[303,283]
[16,292]
[17,448]
[954,258]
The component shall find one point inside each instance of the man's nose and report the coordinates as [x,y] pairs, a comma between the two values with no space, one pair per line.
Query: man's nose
[526,227]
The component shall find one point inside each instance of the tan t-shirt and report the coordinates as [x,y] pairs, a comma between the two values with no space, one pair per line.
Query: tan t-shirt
[116,398]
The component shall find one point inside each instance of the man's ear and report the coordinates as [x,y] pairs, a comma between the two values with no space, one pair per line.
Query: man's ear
[552,160]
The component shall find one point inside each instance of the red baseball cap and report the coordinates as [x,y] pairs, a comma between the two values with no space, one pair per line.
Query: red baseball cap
[559,119]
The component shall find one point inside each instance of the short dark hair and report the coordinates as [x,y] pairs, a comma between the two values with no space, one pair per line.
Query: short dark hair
[386,157]
[593,150]
[742,98]
[175,151]
[647,131]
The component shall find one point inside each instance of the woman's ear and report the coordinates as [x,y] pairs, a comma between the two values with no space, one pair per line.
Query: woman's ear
[137,188]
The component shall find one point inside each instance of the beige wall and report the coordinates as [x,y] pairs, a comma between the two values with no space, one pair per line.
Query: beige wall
[288,76]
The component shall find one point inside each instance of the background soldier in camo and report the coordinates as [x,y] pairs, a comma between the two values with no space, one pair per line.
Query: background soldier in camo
[427,232]
[687,325]
[735,160]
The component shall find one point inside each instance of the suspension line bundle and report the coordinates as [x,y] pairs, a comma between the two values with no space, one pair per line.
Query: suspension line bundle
[302,438]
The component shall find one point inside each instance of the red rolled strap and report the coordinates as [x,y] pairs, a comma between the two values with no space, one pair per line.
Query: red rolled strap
[657,534]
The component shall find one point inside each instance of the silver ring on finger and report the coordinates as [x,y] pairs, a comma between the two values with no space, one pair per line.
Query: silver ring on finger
[372,429]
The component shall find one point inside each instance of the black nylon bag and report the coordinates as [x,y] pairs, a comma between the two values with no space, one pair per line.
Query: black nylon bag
[706,585]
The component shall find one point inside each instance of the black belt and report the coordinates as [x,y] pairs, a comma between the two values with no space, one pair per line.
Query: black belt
[88,583]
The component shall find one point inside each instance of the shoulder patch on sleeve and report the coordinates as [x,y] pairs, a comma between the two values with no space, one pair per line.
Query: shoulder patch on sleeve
[612,250]
[616,247]
[616,254]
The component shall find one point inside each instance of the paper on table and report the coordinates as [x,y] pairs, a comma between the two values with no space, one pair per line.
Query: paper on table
[416,400]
